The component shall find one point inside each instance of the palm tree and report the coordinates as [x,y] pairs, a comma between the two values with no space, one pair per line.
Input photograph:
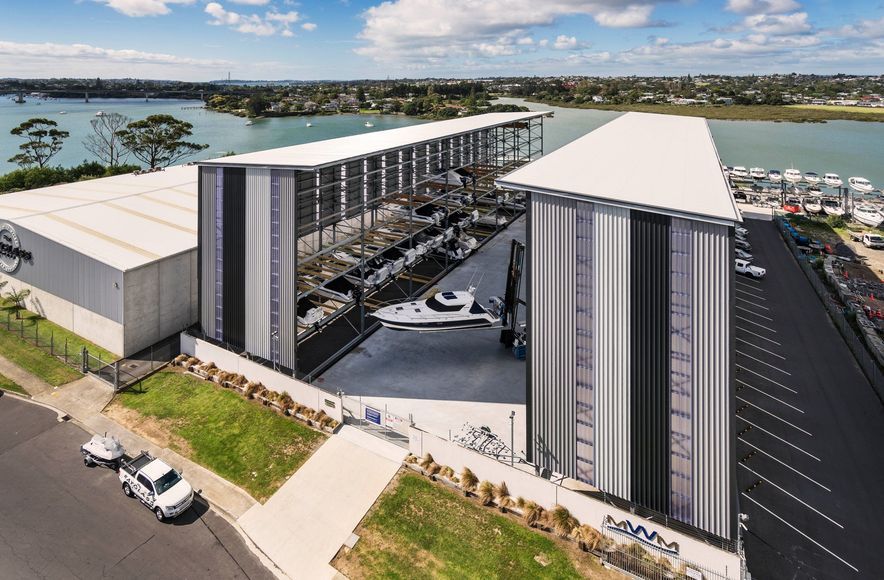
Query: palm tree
[17,297]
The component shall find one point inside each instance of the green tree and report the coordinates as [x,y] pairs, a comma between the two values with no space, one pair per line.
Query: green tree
[158,141]
[42,141]
[17,297]
[256,104]
[104,142]
[360,95]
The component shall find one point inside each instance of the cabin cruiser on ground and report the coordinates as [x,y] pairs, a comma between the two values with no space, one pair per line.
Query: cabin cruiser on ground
[442,311]
[812,205]
[868,215]
[832,207]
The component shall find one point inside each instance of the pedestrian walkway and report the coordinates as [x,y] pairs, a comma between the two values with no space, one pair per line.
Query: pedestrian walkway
[306,522]
[32,384]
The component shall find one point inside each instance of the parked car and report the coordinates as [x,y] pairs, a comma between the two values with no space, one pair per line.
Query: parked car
[743,255]
[747,269]
[874,241]
[741,231]
[156,485]
[743,245]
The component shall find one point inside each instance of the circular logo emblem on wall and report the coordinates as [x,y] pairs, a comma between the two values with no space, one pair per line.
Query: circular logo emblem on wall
[11,253]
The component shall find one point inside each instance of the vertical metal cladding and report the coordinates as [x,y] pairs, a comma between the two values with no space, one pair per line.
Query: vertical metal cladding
[288,274]
[206,249]
[219,253]
[681,375]
[552,257]
[274,266]
[712,408]
[611,333]
[649,359]
[257,262]
[308,207]
[584,323]
[234,256]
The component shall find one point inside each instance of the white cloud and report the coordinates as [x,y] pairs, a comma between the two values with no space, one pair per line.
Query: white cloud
[427,31]
[272,23]
[778,24]
[51,59]
[138,8]
[309,26]
[762,6]
[863,29]
[251,2]
[565,42]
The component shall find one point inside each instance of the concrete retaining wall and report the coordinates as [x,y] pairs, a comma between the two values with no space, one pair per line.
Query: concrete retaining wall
[231,362]
[586,509]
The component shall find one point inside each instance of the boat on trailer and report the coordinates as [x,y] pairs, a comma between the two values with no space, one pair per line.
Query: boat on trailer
[442,311]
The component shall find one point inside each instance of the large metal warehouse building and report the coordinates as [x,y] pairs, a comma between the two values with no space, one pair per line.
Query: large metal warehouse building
[631,333]
[299,244]
[111,259]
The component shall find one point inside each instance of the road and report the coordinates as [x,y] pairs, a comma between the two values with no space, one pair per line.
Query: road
[60,519]
[809,430]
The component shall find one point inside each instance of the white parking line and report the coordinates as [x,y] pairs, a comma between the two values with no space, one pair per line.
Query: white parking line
[828,551]
[756,324]
[756,296]
[784,464]
[763,430]
[750,303]
[744,383]
[745,279]
[799,500]
[764,363]
[770,352]
[752,312]
[763,410]
[791,390]
[758,336]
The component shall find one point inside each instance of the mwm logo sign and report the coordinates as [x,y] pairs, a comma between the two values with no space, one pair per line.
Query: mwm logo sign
[641,534]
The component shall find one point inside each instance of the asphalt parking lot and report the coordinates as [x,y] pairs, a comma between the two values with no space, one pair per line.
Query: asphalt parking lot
[809,430]
[60,519]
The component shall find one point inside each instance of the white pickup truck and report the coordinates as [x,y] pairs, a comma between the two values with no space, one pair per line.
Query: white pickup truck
[156,485]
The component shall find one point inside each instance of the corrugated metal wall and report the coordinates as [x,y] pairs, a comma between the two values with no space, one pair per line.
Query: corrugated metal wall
[585,349]
[70,275]
[612,338]
[552,224]
[234,252]
[206,249]
[288,274]
[257,262]
[712,402]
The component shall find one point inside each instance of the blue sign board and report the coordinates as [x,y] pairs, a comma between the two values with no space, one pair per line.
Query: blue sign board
[372,415]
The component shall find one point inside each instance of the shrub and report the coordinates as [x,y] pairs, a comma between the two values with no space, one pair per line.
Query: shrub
[433,468]
[588,537]
[468,480]
[410,459]
[447,472]
[286,402]
[486,493]
[192,361]
[297,409]
[533,513]
[238,380]
[426,460]
[502,495]
[562,521]
[253,388]
[180,359]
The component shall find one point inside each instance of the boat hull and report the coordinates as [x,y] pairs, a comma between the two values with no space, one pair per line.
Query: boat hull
[436,326]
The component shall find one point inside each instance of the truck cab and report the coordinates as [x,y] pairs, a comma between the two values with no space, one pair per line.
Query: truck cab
[873,241]
[156,485]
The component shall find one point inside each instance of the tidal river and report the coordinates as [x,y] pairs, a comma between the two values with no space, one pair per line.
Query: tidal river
[845,147]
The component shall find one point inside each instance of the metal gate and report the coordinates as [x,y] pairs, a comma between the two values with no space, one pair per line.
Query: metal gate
[375,420]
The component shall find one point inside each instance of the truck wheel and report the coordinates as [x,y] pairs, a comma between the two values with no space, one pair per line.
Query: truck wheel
[127,490]
[159,513]
[88,462]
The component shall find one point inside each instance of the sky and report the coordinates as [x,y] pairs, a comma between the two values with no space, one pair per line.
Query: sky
[357,39]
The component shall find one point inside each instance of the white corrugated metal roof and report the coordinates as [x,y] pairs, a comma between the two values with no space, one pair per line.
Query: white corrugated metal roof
[662,162]
[318,153]
[125,221]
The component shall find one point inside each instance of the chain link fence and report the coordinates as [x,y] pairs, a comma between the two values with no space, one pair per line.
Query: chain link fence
[839,315]
[29,332]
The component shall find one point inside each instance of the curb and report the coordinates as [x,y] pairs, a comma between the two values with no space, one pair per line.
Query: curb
[61,416]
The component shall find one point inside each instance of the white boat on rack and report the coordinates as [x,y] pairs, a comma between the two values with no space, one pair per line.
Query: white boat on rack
[868,215]
[442,311]
[812,177]
[861,184]
[740,172]
[757,173]
[812,205]
[832,180]
[775,175]
[832,207]
[792,175]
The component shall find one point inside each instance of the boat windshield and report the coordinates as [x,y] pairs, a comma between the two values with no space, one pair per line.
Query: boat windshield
[434,304]
[166,482]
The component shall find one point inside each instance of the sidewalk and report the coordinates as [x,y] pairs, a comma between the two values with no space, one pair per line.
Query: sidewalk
[306,522]
[32,384]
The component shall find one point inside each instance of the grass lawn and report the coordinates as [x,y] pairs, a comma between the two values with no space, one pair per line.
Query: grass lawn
[842,108]
[8,384]
[240,440]
[37,360]
[787,113]
[421,529]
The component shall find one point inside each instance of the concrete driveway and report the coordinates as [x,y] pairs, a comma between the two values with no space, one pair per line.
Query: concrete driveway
[59,519]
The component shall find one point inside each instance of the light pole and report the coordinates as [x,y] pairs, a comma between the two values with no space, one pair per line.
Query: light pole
[512,438]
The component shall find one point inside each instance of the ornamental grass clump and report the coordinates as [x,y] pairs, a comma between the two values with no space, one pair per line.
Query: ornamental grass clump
[486,493]
[561,521]
[468,481]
